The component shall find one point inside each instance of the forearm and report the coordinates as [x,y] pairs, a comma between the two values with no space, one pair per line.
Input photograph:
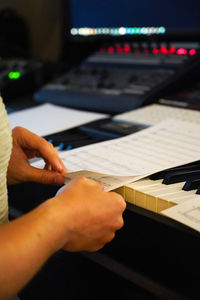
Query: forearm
[25,245]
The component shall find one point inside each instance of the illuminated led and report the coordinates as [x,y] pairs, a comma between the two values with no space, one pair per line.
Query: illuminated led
[172,50]
[154,30]
[144,30]
[181,51]
[132,31]
[111,50]
[74,31]
[192,52]
[127,48]
[128,30]
[135,30]
[151,29]
[122,31]
[86,31]
[138,30]
[112,31]
[163,50]
[119,49]
[14,75]
[155,51]
[80,31]
[116,31]
[148,31]
[161,30]
[98,30]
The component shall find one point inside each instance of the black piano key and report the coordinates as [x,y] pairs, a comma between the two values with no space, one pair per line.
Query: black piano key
[191,184]
[179,176]
[191,166]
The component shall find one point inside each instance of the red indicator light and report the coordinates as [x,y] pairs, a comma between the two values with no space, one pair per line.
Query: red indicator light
[172,50]
[155,51]
[192,52]
[120,49]
[181,51]
[111,50]
[146,51]
[163,50]
[127,48]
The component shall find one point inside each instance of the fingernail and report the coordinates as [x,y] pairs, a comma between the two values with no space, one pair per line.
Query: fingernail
[60,167]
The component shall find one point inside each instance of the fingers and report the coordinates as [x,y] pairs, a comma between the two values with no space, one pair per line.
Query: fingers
[51,157]
[36,144]
[119,199]
[44,176]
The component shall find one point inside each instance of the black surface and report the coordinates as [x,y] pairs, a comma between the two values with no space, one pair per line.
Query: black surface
[151,251]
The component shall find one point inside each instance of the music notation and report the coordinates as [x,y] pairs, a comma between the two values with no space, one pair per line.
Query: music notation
[165,145]
[187,213]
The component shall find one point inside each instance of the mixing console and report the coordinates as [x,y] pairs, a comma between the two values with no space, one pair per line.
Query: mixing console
[120,78]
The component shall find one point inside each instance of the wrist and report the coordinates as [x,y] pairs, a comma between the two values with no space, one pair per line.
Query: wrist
[56,217]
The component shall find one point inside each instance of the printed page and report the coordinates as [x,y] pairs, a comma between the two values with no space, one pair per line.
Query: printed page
[187,213]
[48,118]
[167,144]
[109,182]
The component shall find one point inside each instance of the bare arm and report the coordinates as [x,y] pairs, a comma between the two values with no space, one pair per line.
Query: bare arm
[81,217]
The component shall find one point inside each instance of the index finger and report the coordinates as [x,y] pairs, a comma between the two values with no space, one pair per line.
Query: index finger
[32,141]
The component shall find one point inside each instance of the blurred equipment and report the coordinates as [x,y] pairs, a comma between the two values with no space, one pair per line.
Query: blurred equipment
[20,76]
[14,35]
[115,82]
[141,55]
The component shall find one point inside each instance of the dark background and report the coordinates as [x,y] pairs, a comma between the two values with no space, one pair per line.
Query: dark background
[47,20]
[44,25]
[116,13]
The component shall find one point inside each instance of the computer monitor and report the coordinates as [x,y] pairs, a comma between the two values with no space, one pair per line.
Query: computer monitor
[133,19]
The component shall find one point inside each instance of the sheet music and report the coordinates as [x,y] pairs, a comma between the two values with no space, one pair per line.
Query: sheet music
[109,182]
[48,118]
[187,213]
[167,144]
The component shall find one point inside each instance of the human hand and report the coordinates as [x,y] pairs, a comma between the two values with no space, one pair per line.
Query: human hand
[89,215]
[27,145]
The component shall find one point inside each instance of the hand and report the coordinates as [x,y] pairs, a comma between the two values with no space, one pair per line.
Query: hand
[91,215]
[27,145]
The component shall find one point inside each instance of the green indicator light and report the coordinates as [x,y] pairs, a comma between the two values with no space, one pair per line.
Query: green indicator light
[137,31]
[14,75]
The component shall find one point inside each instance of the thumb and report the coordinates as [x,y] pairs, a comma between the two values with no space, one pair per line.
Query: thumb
[45,176]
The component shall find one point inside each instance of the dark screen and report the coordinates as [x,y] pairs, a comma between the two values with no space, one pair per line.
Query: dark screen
[175,15]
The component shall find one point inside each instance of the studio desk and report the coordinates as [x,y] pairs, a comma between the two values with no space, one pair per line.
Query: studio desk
[152,251]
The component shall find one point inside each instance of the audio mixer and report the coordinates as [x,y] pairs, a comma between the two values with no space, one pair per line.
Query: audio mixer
[119,78]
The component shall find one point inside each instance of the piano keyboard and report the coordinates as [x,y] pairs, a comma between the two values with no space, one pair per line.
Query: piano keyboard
[164,189]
